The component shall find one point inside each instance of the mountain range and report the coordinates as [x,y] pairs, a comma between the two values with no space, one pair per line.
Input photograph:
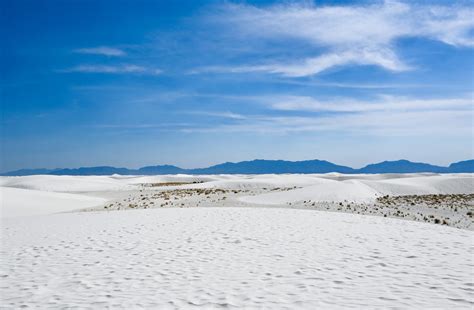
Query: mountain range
[260,166]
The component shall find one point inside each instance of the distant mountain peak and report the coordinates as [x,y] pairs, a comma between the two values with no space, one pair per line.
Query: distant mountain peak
[262,166]
[401,166]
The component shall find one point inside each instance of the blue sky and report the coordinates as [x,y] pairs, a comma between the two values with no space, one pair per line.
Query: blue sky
[194,83]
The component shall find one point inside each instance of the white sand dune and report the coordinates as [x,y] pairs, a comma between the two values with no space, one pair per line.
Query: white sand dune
[383,176]
[326,190]
[233,257]
[229,257]
[244,182]
[332,187]
[364,189]
[24,202]
[55,183]
[442,184]
[169,178]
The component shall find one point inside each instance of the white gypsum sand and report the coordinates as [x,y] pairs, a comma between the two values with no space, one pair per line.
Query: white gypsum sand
[234,257]
[452,204]
[182,252]
[25,202]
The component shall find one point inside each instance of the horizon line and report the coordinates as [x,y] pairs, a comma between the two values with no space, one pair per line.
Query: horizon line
[229,162]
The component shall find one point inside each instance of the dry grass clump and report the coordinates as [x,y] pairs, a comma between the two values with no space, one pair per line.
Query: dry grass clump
[160,184]
[452,201]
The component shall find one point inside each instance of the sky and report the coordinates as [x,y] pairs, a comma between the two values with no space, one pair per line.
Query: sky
[196,83]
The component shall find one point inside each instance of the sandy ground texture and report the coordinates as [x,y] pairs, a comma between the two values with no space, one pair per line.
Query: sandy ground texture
[242,241]
[237,257]
[439,199]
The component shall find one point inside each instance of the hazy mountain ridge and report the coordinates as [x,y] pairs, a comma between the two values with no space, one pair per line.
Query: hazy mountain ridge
[260,166]
[402,166]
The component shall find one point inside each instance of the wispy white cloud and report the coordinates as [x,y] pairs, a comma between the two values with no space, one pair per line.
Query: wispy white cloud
[101,50]
[314,65]
[116,69]
[348,35]
[155,126]
[382,103]
[376,123]
[385,116]
[225,114]
[368,86]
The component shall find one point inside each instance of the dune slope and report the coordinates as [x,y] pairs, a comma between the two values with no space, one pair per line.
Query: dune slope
[226,257]
[25,202]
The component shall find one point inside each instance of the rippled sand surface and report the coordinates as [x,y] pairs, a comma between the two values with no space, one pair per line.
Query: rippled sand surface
[226,257]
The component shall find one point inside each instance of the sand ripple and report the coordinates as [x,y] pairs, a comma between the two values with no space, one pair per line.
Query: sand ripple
[233,257]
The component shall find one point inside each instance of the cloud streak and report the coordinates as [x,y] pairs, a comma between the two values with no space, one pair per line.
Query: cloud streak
[413,123]
[383,103]
[387,115]
[217,114]
[345,35]
[115,69]
[102,50]
[314,65]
